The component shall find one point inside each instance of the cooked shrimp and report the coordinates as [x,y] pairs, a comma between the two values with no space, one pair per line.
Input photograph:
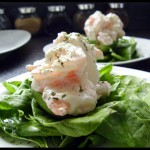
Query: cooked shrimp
[104,28]
[68,77]
[59,107]
[35,65]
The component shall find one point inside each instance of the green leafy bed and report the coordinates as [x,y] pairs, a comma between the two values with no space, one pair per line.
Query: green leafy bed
[120,120]
[121,50]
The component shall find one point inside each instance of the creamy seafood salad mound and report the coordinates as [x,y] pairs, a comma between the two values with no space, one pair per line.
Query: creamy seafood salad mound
[68,77]
[104,28]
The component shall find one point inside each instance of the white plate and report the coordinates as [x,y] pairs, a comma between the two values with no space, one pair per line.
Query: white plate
[13,39]
[6,141]
[143,50]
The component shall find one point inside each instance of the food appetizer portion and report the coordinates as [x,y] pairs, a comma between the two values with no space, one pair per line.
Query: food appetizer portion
[67,77]
[120,119]
[65,101]
[106,33]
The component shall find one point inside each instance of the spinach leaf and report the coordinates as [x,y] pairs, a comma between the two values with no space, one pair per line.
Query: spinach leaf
[121,50]
[72,126]
[14,109]
[123,117]
[11,86]
[130,124]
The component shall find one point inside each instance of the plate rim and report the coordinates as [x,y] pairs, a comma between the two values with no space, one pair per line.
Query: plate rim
[28,34]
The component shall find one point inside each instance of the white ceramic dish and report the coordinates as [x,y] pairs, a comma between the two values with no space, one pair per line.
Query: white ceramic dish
[6,141]
[12,39]
[143,50]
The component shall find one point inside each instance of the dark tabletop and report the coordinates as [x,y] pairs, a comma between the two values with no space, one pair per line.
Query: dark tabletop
[13,63]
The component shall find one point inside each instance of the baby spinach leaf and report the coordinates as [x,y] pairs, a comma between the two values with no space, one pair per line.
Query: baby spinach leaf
[14,107]
[130,124]
[121,50]
[11,86]
[105,70]
[123,117]
[73,126]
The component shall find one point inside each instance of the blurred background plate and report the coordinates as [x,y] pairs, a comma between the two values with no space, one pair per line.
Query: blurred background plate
[143,50]
[12,39]
[46,47]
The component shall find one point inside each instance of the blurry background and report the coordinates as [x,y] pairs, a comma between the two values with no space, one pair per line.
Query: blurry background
[45,19]
[136,18]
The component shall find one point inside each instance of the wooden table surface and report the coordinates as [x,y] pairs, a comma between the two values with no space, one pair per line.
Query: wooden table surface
[13,63]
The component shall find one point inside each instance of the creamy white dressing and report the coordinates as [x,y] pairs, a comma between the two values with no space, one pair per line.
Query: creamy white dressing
[104,28]
[68,77]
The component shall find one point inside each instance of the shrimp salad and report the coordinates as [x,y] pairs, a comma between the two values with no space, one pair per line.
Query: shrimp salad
[107,34]
[104,28]
[68,77]
[88,110]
